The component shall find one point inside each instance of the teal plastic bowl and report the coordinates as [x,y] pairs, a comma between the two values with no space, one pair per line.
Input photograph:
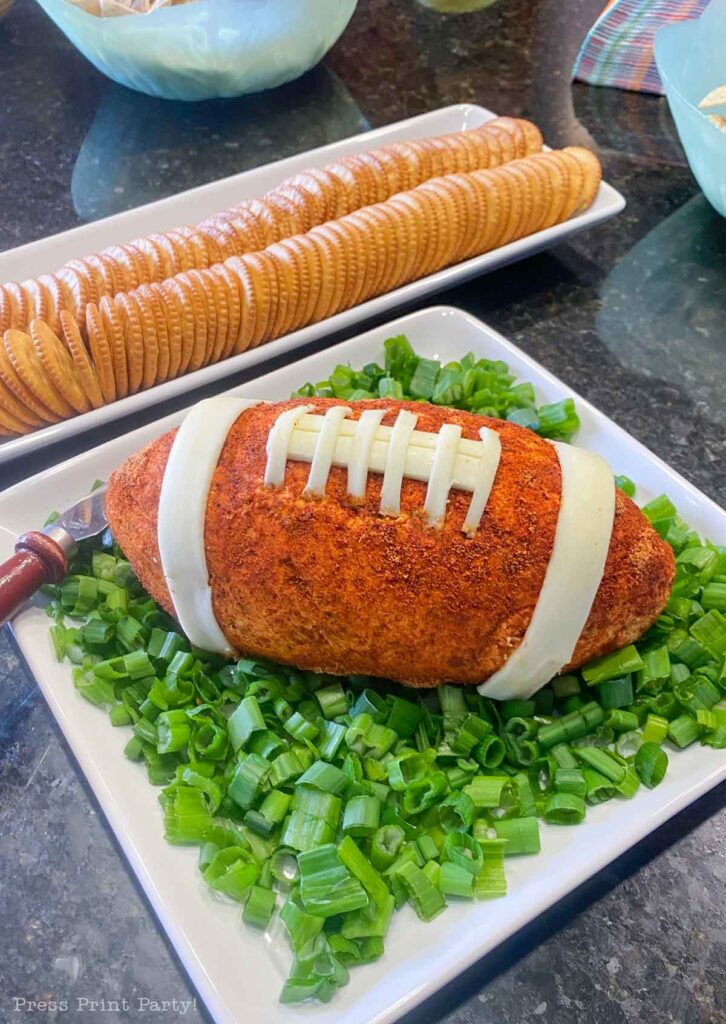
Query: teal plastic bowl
[690,59]
[207,49]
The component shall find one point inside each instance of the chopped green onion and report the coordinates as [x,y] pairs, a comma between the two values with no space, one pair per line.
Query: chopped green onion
[386,845]
[522,835]
[651,764]
[259,907]
[327,777]
[456,812]
[565,808]
[491,881]
[611,666]
[455,880]
[655,729]
[464,850]
[362,816]
[570,780]
[424,897]
[249,780]
[326,886]
[683,731]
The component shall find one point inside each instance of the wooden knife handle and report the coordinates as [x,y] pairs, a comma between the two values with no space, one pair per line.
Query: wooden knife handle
[37,560]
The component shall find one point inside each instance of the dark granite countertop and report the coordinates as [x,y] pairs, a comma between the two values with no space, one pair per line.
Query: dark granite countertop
[630,314]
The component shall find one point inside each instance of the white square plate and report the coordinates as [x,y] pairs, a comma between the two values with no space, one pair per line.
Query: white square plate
[237,975]
[47,254]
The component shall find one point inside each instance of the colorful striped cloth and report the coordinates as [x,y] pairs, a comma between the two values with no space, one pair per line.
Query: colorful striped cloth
[618,50]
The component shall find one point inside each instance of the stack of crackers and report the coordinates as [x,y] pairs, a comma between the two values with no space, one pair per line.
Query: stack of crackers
[108,325]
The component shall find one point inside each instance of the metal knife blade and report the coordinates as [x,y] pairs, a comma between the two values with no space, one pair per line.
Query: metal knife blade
[84,519]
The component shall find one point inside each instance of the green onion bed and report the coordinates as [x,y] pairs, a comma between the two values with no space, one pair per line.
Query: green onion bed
[331,802]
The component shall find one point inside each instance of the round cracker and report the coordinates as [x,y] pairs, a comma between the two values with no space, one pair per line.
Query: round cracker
[532,135]
[162,331]
[373,250]
[18,305]
[85,372]
[123,307]
[502,204]
[30,370]
[290,216]
[192,318]
[494,143]
[310,269]
[576,177]
[174,319]
[13,407]
[183,251]
[75,291]
[218,289]
[295,268]
[167,248]
[357,246]
[149,335]
[331,190]
[204,289]
[518,139]
[23,395]
[441,212]
[11,426]
[248,304]
[6,309]
[263,284]
[541,191]
[476,206]
[336,255]
[267,219]
[103,269]
[462,219]
[58,365]
[224,237]
[39,304]
[332,278]
[198,245]
[205,316]
[506,142]
[113,328]
[395,168]
[386,176]
[128,266]
[101,353]
[304,206]
[88,276]
[228,284]
[592,172]
[286,300]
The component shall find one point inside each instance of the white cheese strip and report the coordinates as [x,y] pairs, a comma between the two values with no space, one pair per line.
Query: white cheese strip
[362,446]
[396,463]
[278,444]
[486,472]
[182,512]
[442,469]
[324,450]
[574,572]
[359,462]
[419,438]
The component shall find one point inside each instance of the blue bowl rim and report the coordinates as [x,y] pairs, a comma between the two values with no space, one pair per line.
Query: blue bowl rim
[689,25]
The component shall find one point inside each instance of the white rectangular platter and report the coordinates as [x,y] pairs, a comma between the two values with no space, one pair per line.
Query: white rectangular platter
[47,254]
[237,975]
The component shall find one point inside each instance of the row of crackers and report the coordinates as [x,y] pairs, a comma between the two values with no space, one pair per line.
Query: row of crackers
[163,330]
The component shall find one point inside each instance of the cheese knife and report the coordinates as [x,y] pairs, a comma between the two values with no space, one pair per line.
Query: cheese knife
[44,556]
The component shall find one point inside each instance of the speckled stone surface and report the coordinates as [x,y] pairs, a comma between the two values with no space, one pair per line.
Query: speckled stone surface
[631,315]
